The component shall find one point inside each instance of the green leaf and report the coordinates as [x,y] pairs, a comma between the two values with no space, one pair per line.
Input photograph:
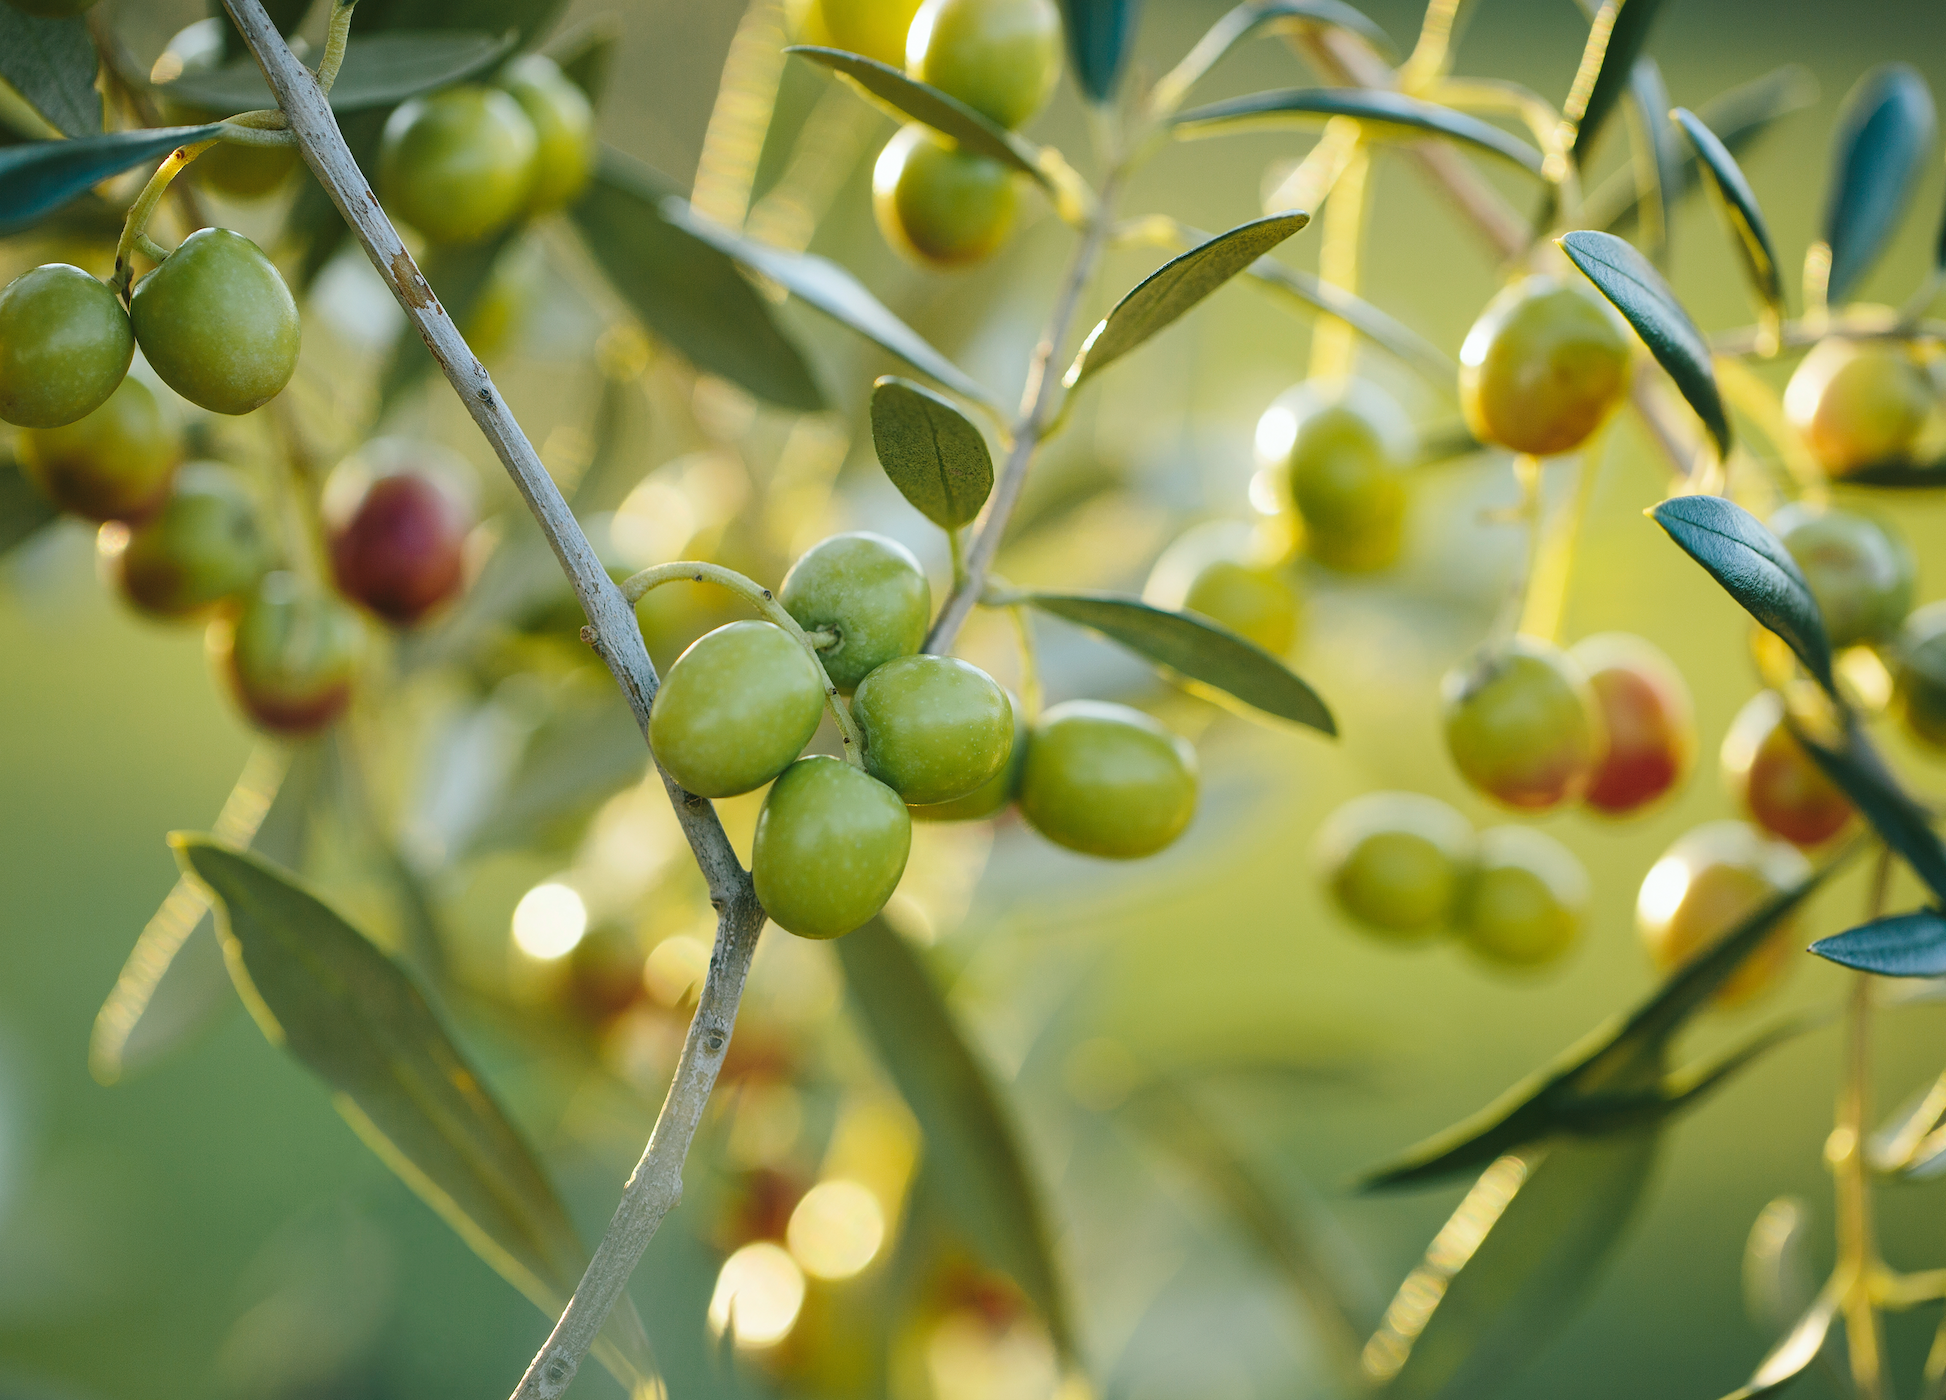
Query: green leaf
[380,70]
[1738,204]
[1615,40]
[1902,823]
[1903,945]
[587,55]
[529,19]
[1390,113]
[1777,1284]
[1169,292]
[937,459]
[1100,35]
[1197,648]
[1900,476]
[1884,137]
[1382,330]
[1244,21]
[458,276]
[1912,1142]
[1626,278]
[24,511]
[38,177]
[1660,153]
[685,287]
[1792,1356]
[972,1145]
[51,63]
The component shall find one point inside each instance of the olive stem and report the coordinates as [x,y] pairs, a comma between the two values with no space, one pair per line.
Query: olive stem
[139,213]
[335,40]
[1032,696]
[765,602]
[956,544]
[1334,346]
[1858,1256]
[655,1186]
[1507,623]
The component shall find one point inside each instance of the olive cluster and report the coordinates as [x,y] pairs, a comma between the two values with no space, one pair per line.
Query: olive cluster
[940,740]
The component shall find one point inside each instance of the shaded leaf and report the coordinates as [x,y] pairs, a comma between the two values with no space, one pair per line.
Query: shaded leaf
[1789,1359]
[1905,826]
[972,1148]
[38,177]
[1660,153]
[685,288]
[1777,1285]
[1389,112]
[380,70]
[1883,137]
[937,459]
[24,511]
[1197,648]
[1100,34]
[1755,569]
[1900,476]
[1615,39]
[52,63]
[529,19]
[1637,290]
[1168,293]
[1738,204]
[1903,945]
[1245,20]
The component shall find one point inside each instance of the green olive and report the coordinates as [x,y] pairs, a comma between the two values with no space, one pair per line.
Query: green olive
[290,654]
[1000,57]
[867,589]
[735,709]
[1776,781]
[1395,862]
[201,547]
[1919,694]
[1543,367]
[938,204]
[65,343]
[1527,898]
[458,165]
[114,464]
[1522,724]
[830,847]
[1860,570]
[1859,403]
[230,168]
[875,28]
[1216,569]
[935,727]
[1647,714]
[1342,450]
[217,323]
[990,798]
[1107,780]
[1705,884]
[564,128]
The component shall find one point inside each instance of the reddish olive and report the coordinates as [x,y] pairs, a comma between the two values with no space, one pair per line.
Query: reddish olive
[1107,780]
[1543,367]
[217,323]
[867,589]
[1709,881]
[200,547]
[290,654]
[1395,862]
[735,709]
[1919,693]
[402,549]
[1000,57]
[830,847]
[65,344]
[1859,403]
[1776,781]
[1648,717]
[564,130]
[935,727]
[1522,724]
[1526,899]
[114,464]
[458,165]
[939,204]
[1860,570]
[1342,450]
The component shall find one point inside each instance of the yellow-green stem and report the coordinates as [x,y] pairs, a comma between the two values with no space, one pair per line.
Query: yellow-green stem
[1858,1258]
[1334,344]
[1031,694]
[335,39]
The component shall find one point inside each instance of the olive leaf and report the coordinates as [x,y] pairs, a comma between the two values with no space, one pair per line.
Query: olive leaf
[1168,293]
[937,459]
[1789,1359]
[38,177]
[529,19]
[1100,35]
[687,289]
[1884,136]
[380,70]
[1900,476]
[1638,291]
[1912,1142]
[1777,1285]
[1738,204]
[1615,38]
[1244,21]
[1755,569]
[1902,945]
[973,1147]
[1660,153]
[1387,113]
[51,63]
[24,511]
[1862,775]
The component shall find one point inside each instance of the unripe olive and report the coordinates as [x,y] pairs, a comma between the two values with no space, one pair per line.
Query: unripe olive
[1395,862]
[65,344]
[939,204]
[991,797]
[1919,693]
[229,167]
[1216,569]
[114,464]
[458,165]
[217,323]
[870,591]
[1647,715]
[564,129]
[290,654]
[1526,900]
[1860,570]
[1342,450]
[1775,781]
[1107,780]
[1709,881]
[999,57]
[202,546]
[1859,402]
[830,847]
[875,28]
[1543,367]
[1522,724]
[735,709]
[935,727]
[402,549]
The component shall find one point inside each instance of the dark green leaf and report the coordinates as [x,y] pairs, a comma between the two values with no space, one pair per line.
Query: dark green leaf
[1169,292]
[1388,111]
[1626,278]
[587,55]
[1777,1283]
[1738,205]
[459,276]
[1100,34]
[685,288]
[1904,945]
[972,1145]
[1245,20]
[1615,40]
[937,459]
[38,177]
[1196,648]
[529,19]
[51,63]
[380,70]
[1661,153]
[1903,824]
[1884,136]
[1902,476]
[24,511]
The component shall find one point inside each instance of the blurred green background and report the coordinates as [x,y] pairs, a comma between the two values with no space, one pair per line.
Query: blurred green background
[156,1236]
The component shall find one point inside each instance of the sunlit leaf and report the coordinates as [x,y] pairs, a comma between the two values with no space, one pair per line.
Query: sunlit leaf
[1862,775]
[973,1147]
[1247,19]
[24,511]
[1196,648]
[380,70]
[1615,39]
[1789,1359]
[1100,35]
[1638,291]
[1903,945]
[1883,140]
[38,177]
[529,19]
[1385,113]
[1168,293]
[51,63]
[1913,1141]
[1660,155]
[1777,1284]
[1738,204]
[937,459]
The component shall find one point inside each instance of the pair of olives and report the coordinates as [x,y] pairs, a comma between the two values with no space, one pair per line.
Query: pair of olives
[1407,867]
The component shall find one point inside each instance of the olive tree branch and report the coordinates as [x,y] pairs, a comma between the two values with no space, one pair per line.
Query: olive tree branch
[655,1185]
